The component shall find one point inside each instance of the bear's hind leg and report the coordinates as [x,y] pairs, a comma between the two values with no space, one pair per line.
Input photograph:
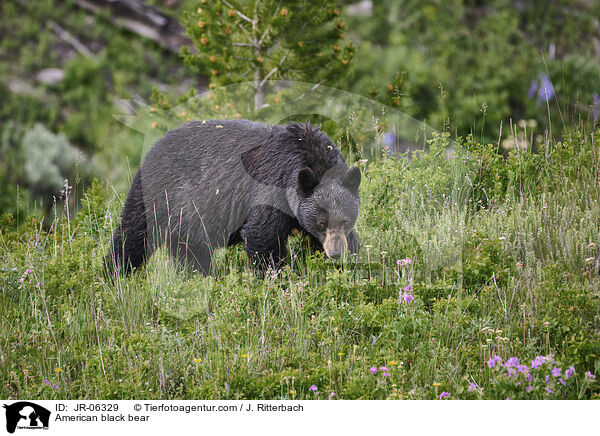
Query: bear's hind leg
[129,247]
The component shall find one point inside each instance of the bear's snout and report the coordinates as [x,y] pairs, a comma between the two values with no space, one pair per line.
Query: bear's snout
[335,244]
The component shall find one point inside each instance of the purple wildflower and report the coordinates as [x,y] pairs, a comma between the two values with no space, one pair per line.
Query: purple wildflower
[546,91]
[562,382]
[537,362]
[596,105]
[54,386]
[512,372]
[27,271]
[408,297]
[22,279]
[444,395]
[373,370]
[569,372]
[590,375]
[494,360]
[528,388]
[404,262]
[550,391]
[532,89]
[384,368]
[386,374]
[512,362]
[473,386]
[313,388]
[556,371]
[523,368]
[529,377]
[548,379]
[46,381]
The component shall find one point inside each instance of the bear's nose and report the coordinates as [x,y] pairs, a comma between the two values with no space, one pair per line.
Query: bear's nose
[335,244]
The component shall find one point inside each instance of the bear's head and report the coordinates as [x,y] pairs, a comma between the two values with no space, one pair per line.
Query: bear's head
[328,207]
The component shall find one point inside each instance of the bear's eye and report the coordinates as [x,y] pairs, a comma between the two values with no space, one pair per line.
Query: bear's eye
[322,226]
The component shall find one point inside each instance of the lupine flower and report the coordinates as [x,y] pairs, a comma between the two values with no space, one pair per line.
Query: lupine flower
[473,386]
[546,91]
[493,361]
[556,372]
[532,89]
[569,372]
[312,388]
[537,362]
[373,370]
[444,395]
[590,375]
[512,362]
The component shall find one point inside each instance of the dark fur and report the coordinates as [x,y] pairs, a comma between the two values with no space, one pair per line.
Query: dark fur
[216,183]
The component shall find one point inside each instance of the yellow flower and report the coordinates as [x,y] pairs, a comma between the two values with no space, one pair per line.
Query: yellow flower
[197,360]
[392,363]
[245,356]
[293,392]
[436,384]
[329,363]
[340,354]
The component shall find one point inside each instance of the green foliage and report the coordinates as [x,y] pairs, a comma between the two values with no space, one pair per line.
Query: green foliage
[256,41]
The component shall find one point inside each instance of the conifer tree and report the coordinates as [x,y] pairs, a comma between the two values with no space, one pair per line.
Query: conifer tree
[259,40]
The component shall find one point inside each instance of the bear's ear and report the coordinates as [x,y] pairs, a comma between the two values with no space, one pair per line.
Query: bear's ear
[352,179]
[307,181]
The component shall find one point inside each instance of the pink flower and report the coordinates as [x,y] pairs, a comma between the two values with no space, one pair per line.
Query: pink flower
[408,298]
[590,375]
[46,381]
[312,388]
[54,386]
[569,372]
[373,370]
[384,368]
[494,360]
[444,395]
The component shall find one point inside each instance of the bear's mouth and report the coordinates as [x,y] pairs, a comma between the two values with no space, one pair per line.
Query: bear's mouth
[335,243]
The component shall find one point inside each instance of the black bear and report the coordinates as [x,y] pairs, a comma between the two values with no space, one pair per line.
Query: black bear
[215,183]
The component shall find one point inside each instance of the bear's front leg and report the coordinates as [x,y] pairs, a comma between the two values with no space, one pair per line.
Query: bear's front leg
[265,234]
[353,242]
